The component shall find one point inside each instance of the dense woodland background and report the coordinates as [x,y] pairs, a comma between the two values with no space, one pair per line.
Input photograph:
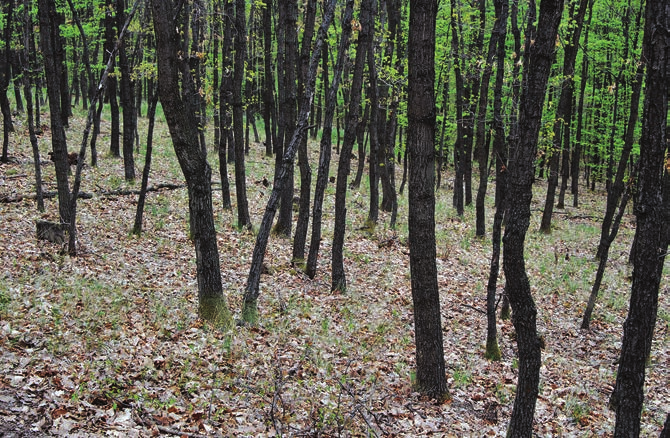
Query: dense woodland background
[134,132]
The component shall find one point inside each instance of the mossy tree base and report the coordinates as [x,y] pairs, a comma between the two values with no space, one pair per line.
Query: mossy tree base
[250,312]
[492,350]
[215,310]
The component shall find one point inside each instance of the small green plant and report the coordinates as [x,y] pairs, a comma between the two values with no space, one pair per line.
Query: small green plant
[578,410]
[462,377]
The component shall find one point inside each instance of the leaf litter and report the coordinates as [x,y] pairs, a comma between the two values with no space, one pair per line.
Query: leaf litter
[109,343]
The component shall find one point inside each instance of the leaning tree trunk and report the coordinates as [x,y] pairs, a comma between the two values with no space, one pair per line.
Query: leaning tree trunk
[561,140]
[300,237]
[153,101]
[182,124]
[651,235]
[539,58]
[326,138]
[252,289]
[338,280]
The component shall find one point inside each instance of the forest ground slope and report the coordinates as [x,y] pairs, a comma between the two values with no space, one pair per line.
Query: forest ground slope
[109,343]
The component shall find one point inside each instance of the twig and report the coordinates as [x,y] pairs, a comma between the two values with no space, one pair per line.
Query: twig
[473,308]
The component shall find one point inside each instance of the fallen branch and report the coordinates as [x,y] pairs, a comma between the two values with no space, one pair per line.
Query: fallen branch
[155,188]
[473,308]
[7,199]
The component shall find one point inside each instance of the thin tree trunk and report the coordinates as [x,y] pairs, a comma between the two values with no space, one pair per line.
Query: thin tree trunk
[524,313]
[137,227]
[561,139]
[300,237]
[251,292]
[338,280]
[243,217]
[326,137]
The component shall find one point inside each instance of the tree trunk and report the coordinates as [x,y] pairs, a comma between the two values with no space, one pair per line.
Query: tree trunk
[112,83]
[492,348]
[243,217]
[127,90]
[5,73]
[49,30]
[300,237]
[338,280]
[430,369]
[651,234]
[153,101]
[288,16]
[498,33]
[269,113]
[326,137]
[251,292]
[539,58]
[561,139]
[459,148]
[182,124]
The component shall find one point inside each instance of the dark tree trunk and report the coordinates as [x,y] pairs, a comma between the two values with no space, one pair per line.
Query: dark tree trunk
[338,280]
[288,16]
[651,234]
[492,349]
[127,90]
[540,56]
[182,124]
[27,84]
[243,217]
[49,31]
[376,149]
[5,74]
[225,99]
[300,237]
[251,293]
[561,139]
[361,142]
[498,33]
[112,82]
[153,101]
[577,153]
[326,137]
[617,187]
[430,369]
[269,112]
[459,148]
[61,63]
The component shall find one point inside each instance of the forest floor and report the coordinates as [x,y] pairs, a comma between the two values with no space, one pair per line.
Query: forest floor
[109,342]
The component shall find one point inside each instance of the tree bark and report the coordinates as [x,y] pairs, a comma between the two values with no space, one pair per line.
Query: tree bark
[252,289]
[50,31]
[127,99]
[182,124]
[326,138]
[339,281]
[539,58]
[300,237]
[243,217]
[561,139]
[430,368]
[651,232]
